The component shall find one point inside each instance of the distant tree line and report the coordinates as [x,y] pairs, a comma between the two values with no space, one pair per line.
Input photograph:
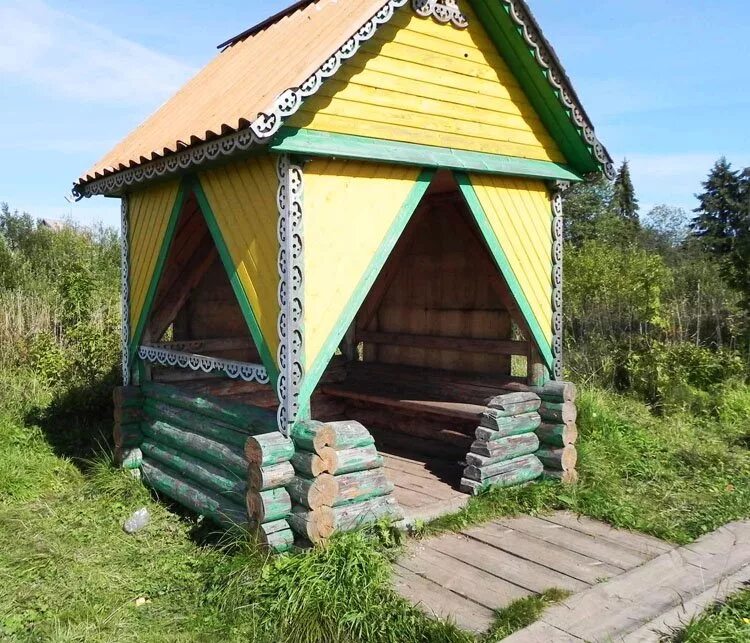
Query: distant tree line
[665,285]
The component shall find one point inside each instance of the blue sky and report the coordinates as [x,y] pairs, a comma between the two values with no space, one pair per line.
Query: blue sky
[665,83]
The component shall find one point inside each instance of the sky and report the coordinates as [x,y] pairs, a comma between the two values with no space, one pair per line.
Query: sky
[664,81]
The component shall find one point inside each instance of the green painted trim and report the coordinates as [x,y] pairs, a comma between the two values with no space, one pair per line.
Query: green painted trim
[239,292]
[480,216]
[158,270]
[328,144]
[532,77]
[312,377]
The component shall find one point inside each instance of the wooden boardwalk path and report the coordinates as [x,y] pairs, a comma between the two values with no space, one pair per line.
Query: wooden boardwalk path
[466,576]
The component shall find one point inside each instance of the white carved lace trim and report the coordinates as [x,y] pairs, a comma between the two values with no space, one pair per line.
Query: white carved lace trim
[178,359]
[444,11]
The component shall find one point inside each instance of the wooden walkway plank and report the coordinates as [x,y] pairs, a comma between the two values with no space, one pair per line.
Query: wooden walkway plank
[584,568]
[435,601]
[464,580]
[429,486]
[576,541]
[520,572]
[641,543]
[412,499]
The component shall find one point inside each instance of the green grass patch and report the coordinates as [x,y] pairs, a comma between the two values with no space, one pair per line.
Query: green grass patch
[727,622]
[523,612]
[675,477]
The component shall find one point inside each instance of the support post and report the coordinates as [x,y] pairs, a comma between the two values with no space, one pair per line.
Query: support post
[557,278]
[125,290]
[537,373]
[291,288]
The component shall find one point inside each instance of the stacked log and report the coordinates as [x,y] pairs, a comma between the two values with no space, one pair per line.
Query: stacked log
[128,403]
[268,502]
[503,453]
[339,483]
[193,450]
[558,432]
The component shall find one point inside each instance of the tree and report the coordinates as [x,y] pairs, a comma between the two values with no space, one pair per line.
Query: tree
[624,202]
[722,222]
[585,204]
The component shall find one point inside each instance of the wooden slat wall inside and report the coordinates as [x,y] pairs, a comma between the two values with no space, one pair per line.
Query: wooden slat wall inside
[444,285]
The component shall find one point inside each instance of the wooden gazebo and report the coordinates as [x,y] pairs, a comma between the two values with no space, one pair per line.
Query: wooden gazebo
[342,266]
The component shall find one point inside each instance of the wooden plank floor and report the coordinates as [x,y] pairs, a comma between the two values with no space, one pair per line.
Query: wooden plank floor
[466,576]
[426,488]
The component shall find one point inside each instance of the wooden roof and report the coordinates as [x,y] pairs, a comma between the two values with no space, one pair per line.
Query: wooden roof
[262,75]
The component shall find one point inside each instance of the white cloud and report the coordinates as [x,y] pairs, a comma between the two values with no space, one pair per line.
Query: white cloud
[64,56]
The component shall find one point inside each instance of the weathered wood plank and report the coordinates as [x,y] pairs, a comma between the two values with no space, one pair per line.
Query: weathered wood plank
[584,568]
[436,601]
[524,573]
[576,541]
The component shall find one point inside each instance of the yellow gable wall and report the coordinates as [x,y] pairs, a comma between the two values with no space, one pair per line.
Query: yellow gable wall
[418,81]
[149,212]
[520,214]
[350,209]
[242,197]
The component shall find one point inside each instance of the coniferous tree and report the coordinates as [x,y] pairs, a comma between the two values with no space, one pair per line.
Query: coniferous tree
[722,222]
[624,202]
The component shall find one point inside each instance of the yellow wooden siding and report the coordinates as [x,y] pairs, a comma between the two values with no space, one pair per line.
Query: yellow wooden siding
[418,81]
[149,212]
[520,213]
[349,208]
[242,197]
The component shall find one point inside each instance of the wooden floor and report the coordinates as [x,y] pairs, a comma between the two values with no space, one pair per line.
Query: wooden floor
[466,576]
[426,488]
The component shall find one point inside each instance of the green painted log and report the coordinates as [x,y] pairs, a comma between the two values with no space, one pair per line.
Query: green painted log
[192,496]
[554,391]
[558,413]
[559,459]
[268,449]
[273,526]
[351,460]
[349,434]
[360,486]
[128,458]
[310,465]
[242,416]
[313,493]
[216,479]
[557,435]
[265,478]
[196,423]
[500,468]
[278,541]
[511,404]
[267,506]
[514,472]
[357,514]
[313,525]
[312,435]
[484,454]
[493,427]
[127,397]
[127,435]
[224,456]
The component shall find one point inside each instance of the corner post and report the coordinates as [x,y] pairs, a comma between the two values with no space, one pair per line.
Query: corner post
[290,355]
[125,290]
[557,278]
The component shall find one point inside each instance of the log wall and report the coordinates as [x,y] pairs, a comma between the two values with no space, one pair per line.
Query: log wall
[438,286]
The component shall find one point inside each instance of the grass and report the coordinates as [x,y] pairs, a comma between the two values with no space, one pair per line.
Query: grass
[727,622]
[523,612]
[69,573]
[676,477]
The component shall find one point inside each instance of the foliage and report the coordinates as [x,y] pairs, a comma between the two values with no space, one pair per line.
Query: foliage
[725,622]
[523,612]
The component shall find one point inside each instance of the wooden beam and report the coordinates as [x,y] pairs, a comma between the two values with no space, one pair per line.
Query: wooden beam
[468,344]
[167,309]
